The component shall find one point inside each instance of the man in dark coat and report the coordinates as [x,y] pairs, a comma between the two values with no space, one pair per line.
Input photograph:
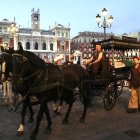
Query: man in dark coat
[134,102]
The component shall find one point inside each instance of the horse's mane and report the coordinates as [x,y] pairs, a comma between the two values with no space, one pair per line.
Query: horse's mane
[34,59]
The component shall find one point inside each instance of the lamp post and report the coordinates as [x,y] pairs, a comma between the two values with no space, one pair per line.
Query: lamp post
[105,24]
[13,29]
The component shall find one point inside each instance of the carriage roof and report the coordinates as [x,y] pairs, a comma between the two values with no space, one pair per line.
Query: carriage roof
[121,44]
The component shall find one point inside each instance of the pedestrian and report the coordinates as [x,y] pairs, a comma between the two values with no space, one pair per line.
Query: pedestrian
[6,80]
[134,102]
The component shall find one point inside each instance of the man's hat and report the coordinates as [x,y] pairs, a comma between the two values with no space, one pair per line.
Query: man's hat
[60,57]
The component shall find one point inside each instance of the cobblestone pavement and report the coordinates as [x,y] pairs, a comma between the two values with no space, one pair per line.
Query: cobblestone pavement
[99,125]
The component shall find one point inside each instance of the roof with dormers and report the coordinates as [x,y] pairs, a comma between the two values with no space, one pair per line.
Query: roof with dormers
[6,22]
[30,31]
[123,43]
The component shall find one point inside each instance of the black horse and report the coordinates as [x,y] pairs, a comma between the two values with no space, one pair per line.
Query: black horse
[47,81]
[6,58]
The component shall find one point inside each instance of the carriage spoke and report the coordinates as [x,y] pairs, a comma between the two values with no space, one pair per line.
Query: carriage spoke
[110,97]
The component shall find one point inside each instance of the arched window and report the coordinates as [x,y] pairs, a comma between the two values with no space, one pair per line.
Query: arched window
[51,46]
[62,48]
[36,46]
[44,46]
[28,45]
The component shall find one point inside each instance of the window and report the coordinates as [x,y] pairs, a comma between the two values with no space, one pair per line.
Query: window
[5,30]
[85,49]
[51,46]
[66,34]
[35,17]
[58,33]
[62,48]
[80,40]
[0,29]
[85,55]
[28,45]
[62,34]
[85,41]
[36,46]
[44,46]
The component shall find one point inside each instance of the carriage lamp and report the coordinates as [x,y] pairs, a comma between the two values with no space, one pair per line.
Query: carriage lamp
[105,24]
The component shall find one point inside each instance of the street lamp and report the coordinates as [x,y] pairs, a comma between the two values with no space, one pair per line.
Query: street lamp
[104,24]
[13,29]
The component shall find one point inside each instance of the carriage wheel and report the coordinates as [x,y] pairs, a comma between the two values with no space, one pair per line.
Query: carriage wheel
[110,97]
[120,84]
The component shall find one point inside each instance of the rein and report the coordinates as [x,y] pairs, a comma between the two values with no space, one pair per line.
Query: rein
[28,77]
[6,53]
[15,54]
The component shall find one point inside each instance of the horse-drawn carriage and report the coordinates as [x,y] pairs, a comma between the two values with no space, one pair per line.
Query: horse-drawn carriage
[109,83]
[32,76]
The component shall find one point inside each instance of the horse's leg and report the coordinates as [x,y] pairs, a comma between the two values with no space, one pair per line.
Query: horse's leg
[60,97]
[82,119]
[84,95]
[55,106]
[60,106]
[20,130]
[65,120]
[30,110]
[39,117]
[48,129]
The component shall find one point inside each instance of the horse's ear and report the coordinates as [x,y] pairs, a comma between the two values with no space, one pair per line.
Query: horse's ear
[11,50]
[20,47]
[2,48]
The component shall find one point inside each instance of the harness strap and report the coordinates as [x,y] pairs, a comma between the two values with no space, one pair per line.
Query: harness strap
[43,88]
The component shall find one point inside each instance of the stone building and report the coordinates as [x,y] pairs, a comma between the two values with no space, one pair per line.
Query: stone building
[47,44]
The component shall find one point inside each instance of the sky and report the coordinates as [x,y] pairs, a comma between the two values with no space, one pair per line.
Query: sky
[81,14]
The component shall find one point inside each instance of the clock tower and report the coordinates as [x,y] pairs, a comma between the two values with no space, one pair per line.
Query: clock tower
[35,20]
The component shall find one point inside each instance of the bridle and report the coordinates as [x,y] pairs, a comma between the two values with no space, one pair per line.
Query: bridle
[21,77]
[4,63]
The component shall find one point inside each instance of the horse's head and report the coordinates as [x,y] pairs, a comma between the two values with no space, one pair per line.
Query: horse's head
[25,65]
[20,66]
[6,65]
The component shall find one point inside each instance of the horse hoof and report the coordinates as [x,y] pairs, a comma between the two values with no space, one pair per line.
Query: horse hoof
[32,137]
[82,120]
[48,131]
[19,133]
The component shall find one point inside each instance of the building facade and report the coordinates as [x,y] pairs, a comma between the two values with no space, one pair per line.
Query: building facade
[6,39]
[82,42]
[47,44]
